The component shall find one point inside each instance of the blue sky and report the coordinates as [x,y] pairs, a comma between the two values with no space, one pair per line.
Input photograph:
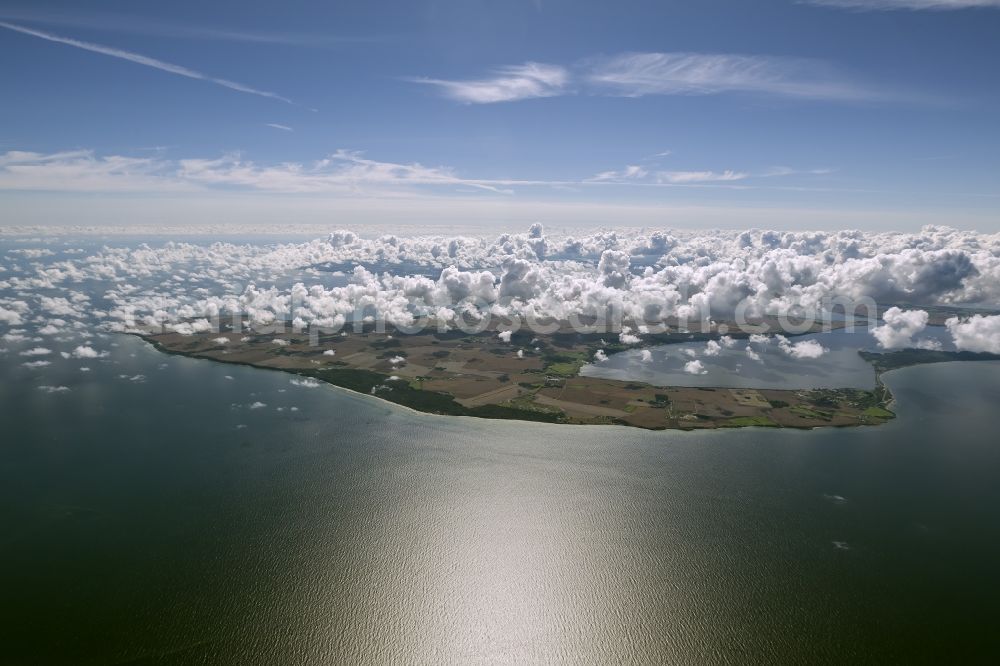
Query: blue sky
[812,114]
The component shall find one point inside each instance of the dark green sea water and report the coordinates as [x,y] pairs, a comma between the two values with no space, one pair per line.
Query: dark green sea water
[142,524]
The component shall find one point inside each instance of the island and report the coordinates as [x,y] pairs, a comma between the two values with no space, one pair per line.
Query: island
[520,375]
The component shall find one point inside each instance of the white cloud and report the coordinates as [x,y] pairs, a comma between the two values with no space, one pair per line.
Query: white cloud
[807,349]
[695,368]
[305,382]
[600,356]
[900,327]
[752,355]
[257,405]
[648,275]
[279,126]
[36,351]
[10,317]
[681,177]
[976,334]
[627,337]
[53,389]
[646,356]
[143,60]
[631,172]
[507,84]
[84,351]
[36,364]
[886,5]
[344,172]
[640,74]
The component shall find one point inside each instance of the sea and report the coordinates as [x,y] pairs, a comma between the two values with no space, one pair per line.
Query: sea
[170,510]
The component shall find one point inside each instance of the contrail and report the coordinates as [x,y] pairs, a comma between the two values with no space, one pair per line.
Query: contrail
[144,60]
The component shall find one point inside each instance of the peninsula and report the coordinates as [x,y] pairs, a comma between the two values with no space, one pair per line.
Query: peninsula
[521,375]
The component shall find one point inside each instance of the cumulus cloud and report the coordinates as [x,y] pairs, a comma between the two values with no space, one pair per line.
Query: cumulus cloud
[600,356]
[900,327]
[36,351]
[695,368]
[648,277]
[712,348]
[85,351]
[753,355]
[646,356]
[53,389]
[807,349]
[627,337]
[10,317]
[976,334]
[305,382]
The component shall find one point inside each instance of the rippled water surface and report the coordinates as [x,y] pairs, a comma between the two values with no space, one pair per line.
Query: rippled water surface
[164,520]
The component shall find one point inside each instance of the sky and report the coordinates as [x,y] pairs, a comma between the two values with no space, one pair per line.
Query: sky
[802,114]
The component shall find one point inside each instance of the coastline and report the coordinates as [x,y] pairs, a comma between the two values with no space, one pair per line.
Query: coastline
[557,393]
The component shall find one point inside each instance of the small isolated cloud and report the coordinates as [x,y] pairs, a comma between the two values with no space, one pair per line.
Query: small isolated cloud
[600,356]
[900,327]
[627,337]
[695,368]
[84,351]
[330,352]
[712,348]
[504,335]
[278,126]
[53,389]
[807,349]
[687,177]
[752,355]
[646,356]
[976,334]
[305,382]
[257,405]
[506,84]
[36,351]
[36,364]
